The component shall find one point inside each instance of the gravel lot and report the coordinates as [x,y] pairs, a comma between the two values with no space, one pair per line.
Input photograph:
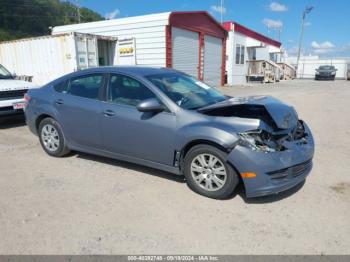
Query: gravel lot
[84,204]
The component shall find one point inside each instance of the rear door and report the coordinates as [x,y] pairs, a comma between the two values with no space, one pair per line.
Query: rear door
[79,109]
[212,60]
[185,51]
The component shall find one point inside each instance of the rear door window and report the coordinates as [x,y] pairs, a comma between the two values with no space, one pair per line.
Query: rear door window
[61,87]
[87,86]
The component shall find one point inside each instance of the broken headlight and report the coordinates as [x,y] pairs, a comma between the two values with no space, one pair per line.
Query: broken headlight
[258,140]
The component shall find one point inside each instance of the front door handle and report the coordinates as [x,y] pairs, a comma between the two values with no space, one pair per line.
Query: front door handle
[109,113]
[59,101]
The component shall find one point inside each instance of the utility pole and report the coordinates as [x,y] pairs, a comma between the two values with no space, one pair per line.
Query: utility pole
[78,10]
[307,10]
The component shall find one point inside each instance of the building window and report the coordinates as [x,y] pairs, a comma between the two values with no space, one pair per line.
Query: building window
[252,54]
[273,57]
[239,54]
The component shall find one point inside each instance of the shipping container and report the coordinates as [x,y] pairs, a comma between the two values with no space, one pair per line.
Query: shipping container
[192,42]
[48,57]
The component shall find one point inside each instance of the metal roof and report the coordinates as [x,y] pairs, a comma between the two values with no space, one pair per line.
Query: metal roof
[250,33]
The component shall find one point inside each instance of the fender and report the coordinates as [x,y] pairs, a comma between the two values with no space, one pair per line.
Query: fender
[217,133]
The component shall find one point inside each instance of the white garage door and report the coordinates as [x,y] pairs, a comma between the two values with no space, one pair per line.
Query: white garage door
[185,51]
[212,60]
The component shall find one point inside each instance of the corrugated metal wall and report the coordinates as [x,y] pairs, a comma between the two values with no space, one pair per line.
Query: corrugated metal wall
[148,30]
[185,51]
[44,58]
[212,60]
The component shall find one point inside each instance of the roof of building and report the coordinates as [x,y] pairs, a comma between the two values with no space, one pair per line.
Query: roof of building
[192,20]
[248,32]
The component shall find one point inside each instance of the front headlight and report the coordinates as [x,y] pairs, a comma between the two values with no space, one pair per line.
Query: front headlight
[333,73]
[258,140]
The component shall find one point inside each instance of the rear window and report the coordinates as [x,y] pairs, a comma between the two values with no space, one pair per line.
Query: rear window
[326,67]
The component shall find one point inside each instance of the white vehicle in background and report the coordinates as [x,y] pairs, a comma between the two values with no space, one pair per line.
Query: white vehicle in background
[12,93]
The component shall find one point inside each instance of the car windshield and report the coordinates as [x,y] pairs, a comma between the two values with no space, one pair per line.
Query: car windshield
[186,91]
[326,68]
[4,74]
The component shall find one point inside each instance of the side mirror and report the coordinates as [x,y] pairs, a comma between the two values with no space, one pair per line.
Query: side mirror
[150,105]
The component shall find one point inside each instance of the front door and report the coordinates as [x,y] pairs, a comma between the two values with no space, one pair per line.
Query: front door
[127,131]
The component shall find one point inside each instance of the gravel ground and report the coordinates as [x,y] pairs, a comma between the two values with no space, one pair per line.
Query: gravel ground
[82,204]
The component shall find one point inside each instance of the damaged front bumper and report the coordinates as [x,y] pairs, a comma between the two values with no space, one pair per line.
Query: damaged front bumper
[275,171]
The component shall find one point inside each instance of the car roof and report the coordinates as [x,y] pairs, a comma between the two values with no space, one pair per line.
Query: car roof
[134,70]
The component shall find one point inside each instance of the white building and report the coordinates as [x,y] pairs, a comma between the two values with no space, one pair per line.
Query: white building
[192,42]
[308,65]
[244,45]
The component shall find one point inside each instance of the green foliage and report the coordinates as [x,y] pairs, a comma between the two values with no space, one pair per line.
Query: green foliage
[26,18]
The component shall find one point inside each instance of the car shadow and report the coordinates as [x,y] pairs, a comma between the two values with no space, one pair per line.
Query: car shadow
[271,198]
[181,179]
[12,122]
[131,166]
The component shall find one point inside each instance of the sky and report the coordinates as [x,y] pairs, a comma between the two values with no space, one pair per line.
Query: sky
[327,26]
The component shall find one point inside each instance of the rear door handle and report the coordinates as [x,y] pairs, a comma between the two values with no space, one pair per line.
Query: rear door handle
[59,102]
[109,113]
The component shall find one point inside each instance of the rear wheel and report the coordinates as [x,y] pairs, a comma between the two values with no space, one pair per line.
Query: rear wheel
[52,138]
[208,173]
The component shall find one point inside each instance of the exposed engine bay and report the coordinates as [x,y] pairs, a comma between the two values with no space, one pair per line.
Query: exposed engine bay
[282,119]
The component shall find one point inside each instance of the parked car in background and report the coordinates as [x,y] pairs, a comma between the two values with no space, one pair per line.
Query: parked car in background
[325,72]
[348,72]
[165,119]
[11,93]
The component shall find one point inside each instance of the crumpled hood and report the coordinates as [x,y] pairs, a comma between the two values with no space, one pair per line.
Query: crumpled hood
[283,115]
[11,84]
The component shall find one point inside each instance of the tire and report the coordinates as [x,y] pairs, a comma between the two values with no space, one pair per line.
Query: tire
[51,138]
[200,180]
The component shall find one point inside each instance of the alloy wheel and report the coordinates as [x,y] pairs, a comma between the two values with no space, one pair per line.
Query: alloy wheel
[50,137]
[208,172]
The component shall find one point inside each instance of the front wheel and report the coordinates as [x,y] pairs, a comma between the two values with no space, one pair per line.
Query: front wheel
[52,138]
[208,173]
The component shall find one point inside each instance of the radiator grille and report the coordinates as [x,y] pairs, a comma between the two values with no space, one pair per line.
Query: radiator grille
[13,94]
[291,172]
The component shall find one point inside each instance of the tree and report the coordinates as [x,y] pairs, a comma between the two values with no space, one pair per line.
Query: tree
[26,18]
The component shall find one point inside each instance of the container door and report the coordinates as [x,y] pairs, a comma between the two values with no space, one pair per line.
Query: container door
[92,51]
[212,60]
[185,51]
[86,51]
